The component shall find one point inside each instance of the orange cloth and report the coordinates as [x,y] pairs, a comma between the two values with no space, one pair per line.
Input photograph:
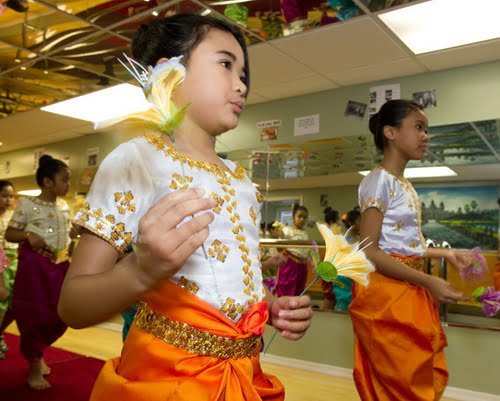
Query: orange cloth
[399,342]
[150,369]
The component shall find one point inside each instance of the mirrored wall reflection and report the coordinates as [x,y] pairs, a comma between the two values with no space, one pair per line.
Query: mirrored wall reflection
[468,143]
[323,174]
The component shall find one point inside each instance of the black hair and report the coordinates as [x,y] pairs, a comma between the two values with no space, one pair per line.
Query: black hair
[351,217]
[297,208]
[178,36]
[5,183]
[48,167]
[391,113]
[331,216]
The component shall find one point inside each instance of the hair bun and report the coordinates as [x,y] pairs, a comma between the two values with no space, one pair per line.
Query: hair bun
[44,160]
[374,124]
[327,210]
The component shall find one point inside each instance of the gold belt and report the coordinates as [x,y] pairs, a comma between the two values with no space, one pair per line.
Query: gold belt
[294,257]
[416,264]
[194,340]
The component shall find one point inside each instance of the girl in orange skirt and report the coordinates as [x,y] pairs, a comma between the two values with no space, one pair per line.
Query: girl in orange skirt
[195,267]
[399,341]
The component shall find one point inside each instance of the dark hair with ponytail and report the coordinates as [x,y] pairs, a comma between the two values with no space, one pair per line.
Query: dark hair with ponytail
[48,167]
[297,208]
[331,216]
[391,113]
[179,35]
[351,217]
[5,183]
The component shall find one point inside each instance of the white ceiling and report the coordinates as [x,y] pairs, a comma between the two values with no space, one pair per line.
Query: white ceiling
[352,52]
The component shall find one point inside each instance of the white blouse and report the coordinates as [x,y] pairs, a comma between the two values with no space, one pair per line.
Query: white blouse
[293,233]
[396,198]
[50,220]
[134,177]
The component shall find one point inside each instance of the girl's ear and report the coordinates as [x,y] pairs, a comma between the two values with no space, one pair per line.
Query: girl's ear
[162,60]
[389,133]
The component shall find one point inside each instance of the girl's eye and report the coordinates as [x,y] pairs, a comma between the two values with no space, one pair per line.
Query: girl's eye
[244,80]
[226,64]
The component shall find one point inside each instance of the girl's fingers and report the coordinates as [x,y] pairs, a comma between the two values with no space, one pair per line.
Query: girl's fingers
[189,246]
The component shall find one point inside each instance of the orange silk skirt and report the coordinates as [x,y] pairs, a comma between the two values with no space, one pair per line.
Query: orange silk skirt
[399,341]
[152,368]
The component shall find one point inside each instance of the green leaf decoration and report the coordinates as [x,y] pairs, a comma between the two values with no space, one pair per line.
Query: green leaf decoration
[326,271]
[478,292]
[314,256]
[175,122]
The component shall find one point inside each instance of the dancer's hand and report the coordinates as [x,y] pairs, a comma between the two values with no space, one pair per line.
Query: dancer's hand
[163,245]
[291,315]
[442,291]
[38,244]
[458,260]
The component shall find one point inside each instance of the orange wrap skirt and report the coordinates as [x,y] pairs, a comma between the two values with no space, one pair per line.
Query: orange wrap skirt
[399,341]
[180,348]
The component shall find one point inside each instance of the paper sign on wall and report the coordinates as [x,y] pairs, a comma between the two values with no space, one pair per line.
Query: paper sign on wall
[269,129]
[306,125]
[382,94]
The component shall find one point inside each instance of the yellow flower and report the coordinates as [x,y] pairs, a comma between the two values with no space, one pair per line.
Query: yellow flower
[349,259]
[158,88]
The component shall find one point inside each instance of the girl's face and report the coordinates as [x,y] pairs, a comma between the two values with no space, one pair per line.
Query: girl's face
[60,184]
[6,197]
[300,219]
[214,85]
[412,138]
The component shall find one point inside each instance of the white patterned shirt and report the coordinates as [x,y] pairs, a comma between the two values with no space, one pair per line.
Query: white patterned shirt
[138,173]
[396,198]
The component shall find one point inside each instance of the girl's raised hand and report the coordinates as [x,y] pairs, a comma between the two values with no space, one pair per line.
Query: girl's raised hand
[163,243]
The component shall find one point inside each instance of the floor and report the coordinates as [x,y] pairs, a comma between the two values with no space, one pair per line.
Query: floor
[105,343]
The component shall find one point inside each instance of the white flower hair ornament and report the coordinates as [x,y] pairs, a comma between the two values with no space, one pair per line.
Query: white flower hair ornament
[158,84]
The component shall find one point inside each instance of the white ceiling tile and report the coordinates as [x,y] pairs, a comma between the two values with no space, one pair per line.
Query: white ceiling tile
[376,72]
[338,47]
[464,55]
[311,84]
[268,65]
[254,97]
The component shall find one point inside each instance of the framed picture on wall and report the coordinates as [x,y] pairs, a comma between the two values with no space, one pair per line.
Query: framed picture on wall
[465,216]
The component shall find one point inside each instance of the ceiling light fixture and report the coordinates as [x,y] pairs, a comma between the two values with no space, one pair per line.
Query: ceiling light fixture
[30,192]
[439,24]
[225,2]
[113,102]
[423,172]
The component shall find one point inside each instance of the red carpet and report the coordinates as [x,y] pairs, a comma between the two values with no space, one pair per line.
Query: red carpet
[72,376]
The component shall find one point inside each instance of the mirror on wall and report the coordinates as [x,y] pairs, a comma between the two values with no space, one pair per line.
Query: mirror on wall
[461,210]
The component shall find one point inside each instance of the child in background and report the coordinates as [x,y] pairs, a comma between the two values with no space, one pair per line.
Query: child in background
[10,251]
[41,225]
[292,274]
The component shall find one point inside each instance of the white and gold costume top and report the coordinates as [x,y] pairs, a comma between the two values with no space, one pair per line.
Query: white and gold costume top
[294,233]
[50,220]
[396,198]
[138,173]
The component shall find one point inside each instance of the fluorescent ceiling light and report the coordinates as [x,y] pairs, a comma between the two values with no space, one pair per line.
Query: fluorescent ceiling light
[423,172]
[441,24]
[102,105]
[225,2]
[31,192]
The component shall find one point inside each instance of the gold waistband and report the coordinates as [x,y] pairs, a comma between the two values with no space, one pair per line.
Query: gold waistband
[194,340]
[294,257]
[416,264]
